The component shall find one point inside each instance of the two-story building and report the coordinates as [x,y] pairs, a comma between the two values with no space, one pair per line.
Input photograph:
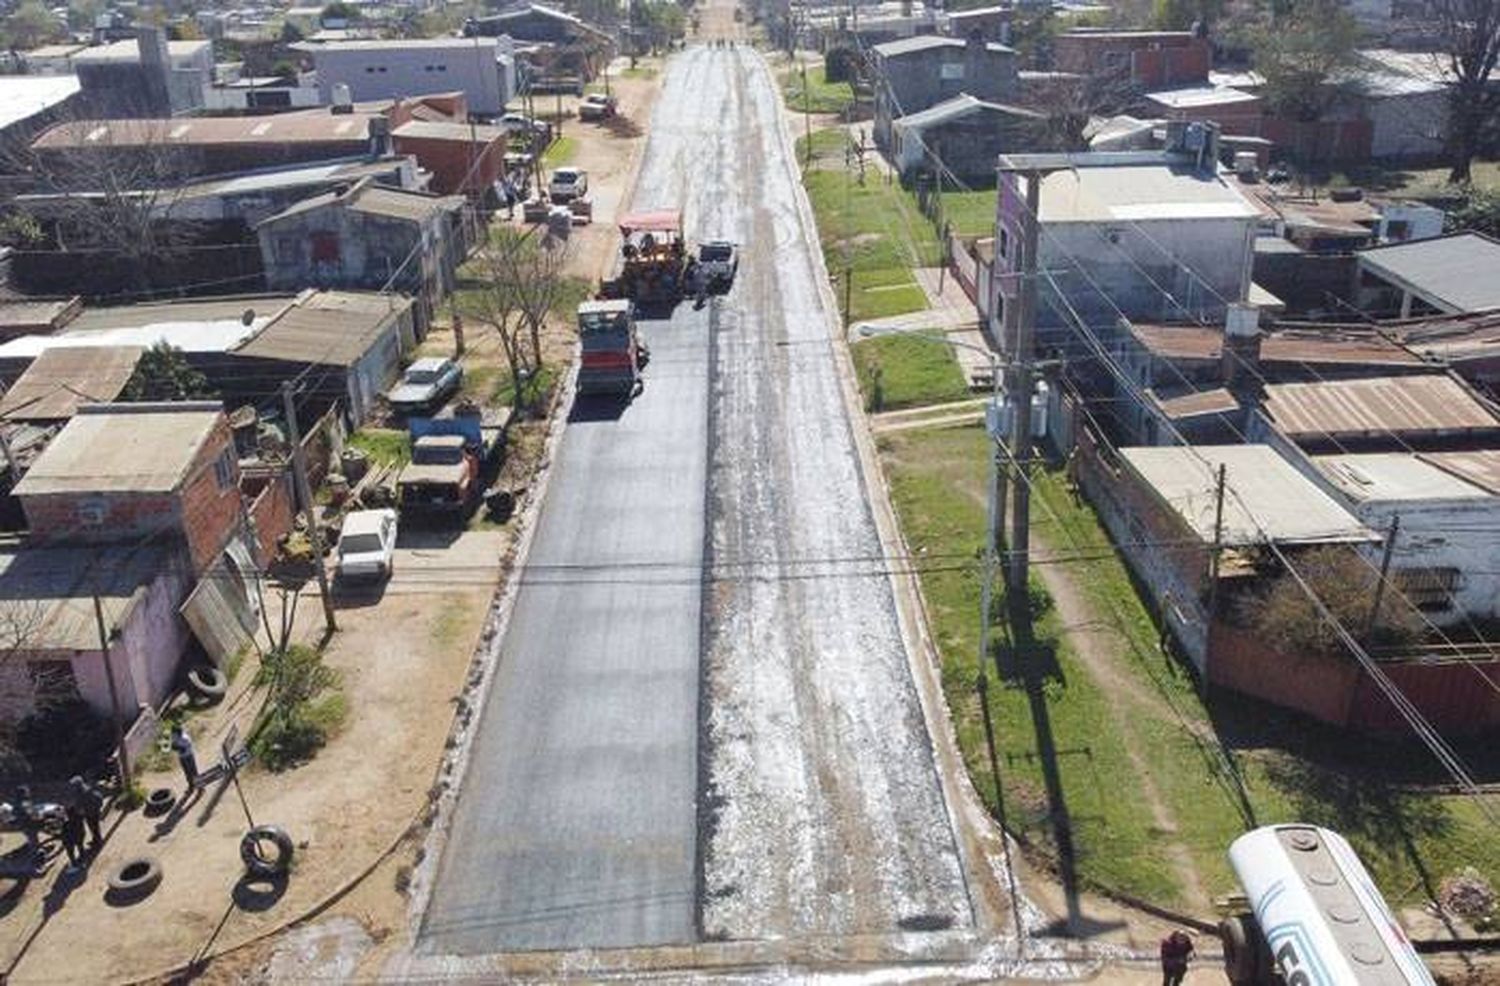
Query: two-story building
[1140,235]
[917,73]
[136,506]
[483,69]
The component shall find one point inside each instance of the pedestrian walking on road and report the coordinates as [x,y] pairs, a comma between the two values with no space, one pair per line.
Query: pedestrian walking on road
[187,757]
[30,826]
[90,802]
[1176,951]
[72,835]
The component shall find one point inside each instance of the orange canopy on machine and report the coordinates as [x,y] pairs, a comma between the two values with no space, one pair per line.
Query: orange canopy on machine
[660,221]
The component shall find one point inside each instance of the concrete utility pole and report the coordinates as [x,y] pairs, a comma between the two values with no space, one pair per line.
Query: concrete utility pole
[304,493]
[1022,382]
[1385,569]
[118,715]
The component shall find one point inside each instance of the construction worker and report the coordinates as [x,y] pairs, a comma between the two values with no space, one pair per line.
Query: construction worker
[1176,952]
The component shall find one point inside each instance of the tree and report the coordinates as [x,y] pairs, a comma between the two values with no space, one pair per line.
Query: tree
[1470,30]
[116,195]
[1479,210]
[522,284]
[1304,51]
[164,374]
[31,25]
[340,11]
[1286,614]
[20,686]
[290,33]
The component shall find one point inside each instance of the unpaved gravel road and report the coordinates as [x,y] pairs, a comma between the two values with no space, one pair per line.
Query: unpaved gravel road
[703,724]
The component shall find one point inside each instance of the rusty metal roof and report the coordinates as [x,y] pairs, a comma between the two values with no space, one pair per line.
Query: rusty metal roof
[305,127]
[1407,406]
[62,378]
[123,448]
[1324,345]
[1482,468]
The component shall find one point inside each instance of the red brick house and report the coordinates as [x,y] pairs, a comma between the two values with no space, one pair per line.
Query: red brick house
[1144,59]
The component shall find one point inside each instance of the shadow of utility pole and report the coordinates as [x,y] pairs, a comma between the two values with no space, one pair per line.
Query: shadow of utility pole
[1033,662]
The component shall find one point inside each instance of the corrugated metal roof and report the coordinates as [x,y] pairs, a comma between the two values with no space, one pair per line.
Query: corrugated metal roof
[20,312]
[301,127]
[1330,346]
[1394,476]
[60,380]
[50,591]
[332,328]
[402,44]
[1187,97]
[958,107]
[1434,404]
[461,133]
[1267,498]
[123,448]
[928,42]
[130,51]
[1454,273]
[1482,468]
[376,200]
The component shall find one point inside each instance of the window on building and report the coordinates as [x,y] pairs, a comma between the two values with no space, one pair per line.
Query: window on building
[1004,244]
[325,248]
[53,681]
[951,71]
[1429,589]
[288,248]
[224,469]
[91,512]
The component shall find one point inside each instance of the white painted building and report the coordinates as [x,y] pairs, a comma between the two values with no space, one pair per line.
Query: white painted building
[1152,236]
[1449,523]
[483,69]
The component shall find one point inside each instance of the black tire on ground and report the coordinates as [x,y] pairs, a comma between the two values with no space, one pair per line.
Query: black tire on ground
[208,682]
[255,857]
[1240,959]
[135,878]
[160,801]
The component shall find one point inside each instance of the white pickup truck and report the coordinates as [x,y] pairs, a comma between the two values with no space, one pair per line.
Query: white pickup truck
[568,184]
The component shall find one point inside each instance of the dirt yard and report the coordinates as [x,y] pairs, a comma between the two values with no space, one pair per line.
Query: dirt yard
[402,654]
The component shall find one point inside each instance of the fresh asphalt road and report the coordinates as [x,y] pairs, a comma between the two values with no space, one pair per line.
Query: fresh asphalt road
[703,722]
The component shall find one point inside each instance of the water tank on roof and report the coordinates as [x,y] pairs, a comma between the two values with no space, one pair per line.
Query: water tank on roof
[343,102]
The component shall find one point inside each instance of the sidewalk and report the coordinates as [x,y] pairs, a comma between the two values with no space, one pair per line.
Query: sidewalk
[950,313]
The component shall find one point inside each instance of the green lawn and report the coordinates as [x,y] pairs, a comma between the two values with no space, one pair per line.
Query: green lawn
[384,446]
[912,371]
[970,213]
[818,95]
[1273,767]
[559,153]
[874,229]
[1416,182]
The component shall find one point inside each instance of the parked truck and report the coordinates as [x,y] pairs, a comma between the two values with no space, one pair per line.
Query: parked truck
[453,451]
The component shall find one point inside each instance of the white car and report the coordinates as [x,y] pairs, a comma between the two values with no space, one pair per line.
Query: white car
[567,184]
[367,545]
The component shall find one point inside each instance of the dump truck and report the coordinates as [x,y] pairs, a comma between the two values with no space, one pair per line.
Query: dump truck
[611,355]
[655,264]
[452,451]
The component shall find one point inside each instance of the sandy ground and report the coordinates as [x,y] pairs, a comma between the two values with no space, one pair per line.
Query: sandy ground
[402,654]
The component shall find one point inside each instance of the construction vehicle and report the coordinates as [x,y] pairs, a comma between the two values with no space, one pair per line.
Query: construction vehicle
[655,265]
[611,354]
[1311,914]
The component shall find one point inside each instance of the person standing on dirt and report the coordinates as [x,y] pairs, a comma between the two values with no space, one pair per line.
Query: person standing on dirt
[187,757]
[72,835]
[90,802]
[1176,951]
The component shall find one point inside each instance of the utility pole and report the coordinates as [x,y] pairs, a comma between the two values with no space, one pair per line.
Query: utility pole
[114,695]
[1385,568]
[807,117]
[304,492]
[1021,385]
[1213,557]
